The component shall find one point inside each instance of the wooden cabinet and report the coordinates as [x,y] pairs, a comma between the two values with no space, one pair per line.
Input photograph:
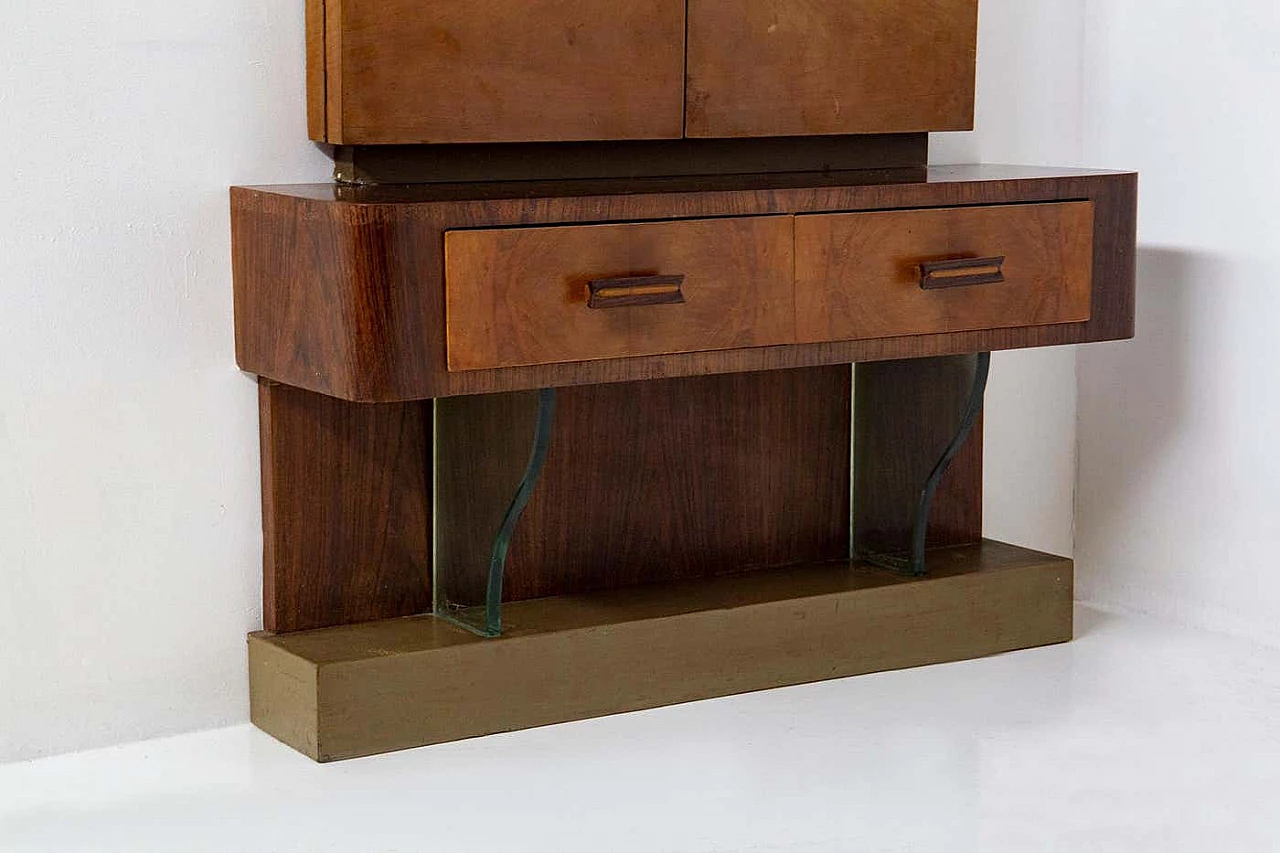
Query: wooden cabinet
[661,379]
[804,67]
[409,71]
[465,71]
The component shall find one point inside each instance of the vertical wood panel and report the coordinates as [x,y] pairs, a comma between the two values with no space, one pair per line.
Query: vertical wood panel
[858,274]
[345,510]
[333,29]
[519,296]
[317,121]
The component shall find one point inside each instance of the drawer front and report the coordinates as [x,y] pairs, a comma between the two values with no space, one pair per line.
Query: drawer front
[524,296]
[410,71]
[917,272]
[787,68]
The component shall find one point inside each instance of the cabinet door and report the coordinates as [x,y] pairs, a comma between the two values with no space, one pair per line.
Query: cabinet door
[800,67]
[415,71]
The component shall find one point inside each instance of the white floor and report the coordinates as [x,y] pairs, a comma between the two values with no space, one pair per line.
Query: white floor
[1139,736]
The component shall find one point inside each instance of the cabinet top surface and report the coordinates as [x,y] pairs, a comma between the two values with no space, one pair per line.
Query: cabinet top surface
[486,191]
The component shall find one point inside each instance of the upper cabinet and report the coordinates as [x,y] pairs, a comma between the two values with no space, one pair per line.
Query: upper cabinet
[811,67]
[415,71]
[437,71]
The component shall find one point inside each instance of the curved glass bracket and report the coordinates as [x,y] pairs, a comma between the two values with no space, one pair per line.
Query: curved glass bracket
[502,543]
[973,408]
[484,475]
[913,561]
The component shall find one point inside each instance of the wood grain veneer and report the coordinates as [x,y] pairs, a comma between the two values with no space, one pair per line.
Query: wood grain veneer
[858,275]
[340,289]
[520,296]
[317,104]
[798,67]
[405,71]
[650,481]
[346,509]
[644,482]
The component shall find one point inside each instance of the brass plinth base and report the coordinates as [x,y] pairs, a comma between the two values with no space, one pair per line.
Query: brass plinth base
[357,690]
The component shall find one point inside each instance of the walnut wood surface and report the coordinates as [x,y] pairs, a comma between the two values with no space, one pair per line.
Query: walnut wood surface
[519,296]
[795,67]
[346,296]
[655,158]
[405,71]
[317,117]
[362,689]
[858,274]
[650,481]
[905,415]
[345,510]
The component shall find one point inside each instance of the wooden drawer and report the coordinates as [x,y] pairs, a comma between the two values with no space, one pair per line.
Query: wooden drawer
[523,296]
[860,275]
[787,68]
[411,71]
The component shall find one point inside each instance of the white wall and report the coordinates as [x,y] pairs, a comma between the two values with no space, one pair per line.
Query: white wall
[129,521]
[129,543]
[1029,111]
[1179,503]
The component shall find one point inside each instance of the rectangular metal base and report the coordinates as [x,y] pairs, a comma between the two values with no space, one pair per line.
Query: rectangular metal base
[357,690]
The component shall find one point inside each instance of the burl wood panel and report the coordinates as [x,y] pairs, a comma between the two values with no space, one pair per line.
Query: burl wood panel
[346,505]
[341,289]
[405,71]
[652,481]
[858,274]
[905,415]
[519,296]
[793,67]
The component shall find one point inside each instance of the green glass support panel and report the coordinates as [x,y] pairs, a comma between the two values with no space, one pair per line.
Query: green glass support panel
[489,452]
[943,402]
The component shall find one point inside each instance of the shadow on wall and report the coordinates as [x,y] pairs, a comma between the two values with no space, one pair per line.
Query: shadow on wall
[1135,400]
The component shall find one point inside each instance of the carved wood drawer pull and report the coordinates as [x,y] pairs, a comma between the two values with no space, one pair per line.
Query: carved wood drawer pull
[962,272]
[640,290]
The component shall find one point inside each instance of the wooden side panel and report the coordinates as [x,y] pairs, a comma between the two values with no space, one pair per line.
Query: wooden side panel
[412,682]
[858,275]
[346,506]
[496,71]
[654,481]
[323,292]
[317,120]
[519,296]
[798,67]
[905,415]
